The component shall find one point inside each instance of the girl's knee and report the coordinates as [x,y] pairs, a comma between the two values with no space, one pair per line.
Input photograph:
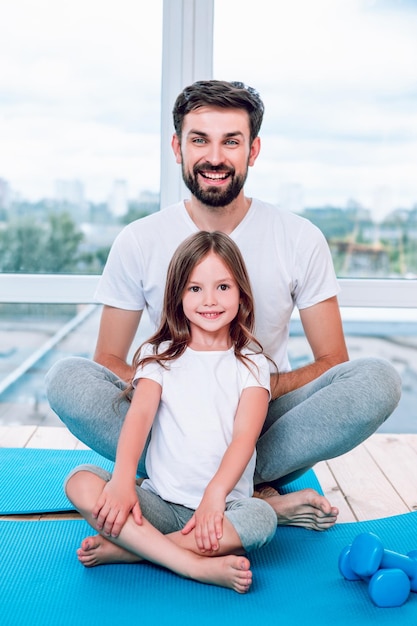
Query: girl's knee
[83,483]
[267,520]
[255,521]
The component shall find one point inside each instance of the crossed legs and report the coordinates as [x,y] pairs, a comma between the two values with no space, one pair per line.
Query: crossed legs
[324,419]
[177,552]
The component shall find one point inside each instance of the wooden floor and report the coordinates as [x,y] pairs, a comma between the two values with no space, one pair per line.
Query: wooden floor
[376,479]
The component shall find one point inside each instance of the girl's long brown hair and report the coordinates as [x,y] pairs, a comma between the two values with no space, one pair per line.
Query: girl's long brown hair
[174,327]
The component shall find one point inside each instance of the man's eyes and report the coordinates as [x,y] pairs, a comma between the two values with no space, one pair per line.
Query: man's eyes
[202,141]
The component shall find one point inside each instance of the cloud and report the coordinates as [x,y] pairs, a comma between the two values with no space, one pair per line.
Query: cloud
[80,93]
[339,82]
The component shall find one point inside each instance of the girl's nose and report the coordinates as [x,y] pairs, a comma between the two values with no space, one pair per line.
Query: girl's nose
[210,298]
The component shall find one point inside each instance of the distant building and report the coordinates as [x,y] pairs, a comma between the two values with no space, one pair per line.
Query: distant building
[361,259]
[118,201]
[70,192]
[149,200]
[5,194]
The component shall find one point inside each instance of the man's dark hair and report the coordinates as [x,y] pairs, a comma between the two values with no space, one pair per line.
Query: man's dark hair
[223,94]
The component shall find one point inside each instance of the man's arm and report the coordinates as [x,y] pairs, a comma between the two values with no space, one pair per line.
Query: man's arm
[324,331]
[117,331]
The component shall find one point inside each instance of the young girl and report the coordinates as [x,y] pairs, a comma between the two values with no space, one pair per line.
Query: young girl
[202,386]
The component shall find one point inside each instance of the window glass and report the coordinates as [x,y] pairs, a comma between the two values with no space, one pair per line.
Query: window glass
[79,129]
[80,90]
[339,140]
[339,145]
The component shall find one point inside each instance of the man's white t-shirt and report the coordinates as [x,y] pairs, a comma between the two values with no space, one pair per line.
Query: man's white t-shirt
[287,258]
[194,423]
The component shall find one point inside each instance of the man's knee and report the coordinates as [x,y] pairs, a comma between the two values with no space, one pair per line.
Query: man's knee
[66,378]
[381,380]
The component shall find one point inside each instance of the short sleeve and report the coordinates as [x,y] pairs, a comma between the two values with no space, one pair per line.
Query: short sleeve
[258,374]
[152,370]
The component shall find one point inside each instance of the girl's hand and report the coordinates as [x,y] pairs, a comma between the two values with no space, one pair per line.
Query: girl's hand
[113,507]
[207,523]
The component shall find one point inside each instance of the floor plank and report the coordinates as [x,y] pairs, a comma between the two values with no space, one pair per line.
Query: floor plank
[16,436]
[366,488]
[53,437]
[333,492]
[397,460]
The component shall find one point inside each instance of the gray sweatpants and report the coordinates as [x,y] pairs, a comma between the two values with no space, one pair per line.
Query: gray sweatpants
[327,417]
[254,520]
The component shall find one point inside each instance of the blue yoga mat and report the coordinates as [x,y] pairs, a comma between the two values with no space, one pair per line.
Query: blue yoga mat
[296,582]
[31,479]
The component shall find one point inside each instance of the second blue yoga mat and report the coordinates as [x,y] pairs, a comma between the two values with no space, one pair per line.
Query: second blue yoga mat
[296,582]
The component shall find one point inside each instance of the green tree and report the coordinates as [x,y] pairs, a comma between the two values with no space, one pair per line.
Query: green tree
[29,247]
[61,245]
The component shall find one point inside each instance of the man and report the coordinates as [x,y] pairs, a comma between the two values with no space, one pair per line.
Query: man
[319,411]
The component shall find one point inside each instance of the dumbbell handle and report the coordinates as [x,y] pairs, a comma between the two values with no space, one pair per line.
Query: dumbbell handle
[392,559]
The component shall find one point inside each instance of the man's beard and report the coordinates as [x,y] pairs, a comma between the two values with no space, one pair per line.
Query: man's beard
[214,196]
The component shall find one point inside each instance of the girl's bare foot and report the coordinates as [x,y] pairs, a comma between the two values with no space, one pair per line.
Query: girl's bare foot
[305,508]
[98,550]
[226,571]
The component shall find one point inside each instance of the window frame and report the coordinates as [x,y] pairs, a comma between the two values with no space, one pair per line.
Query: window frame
[188,56]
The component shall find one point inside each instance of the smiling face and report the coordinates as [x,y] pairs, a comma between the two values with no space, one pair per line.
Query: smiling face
[215,153]
[211,302]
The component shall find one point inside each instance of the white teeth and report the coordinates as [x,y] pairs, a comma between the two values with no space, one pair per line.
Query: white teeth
[215,176]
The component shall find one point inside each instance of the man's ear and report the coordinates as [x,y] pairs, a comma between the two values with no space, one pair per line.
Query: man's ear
[254,151]
[176,146]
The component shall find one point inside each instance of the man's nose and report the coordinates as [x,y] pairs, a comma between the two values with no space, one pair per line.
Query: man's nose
[214,154]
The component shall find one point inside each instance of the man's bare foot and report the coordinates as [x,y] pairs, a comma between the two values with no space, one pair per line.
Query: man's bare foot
[98,550]
[226,571]
[305,508]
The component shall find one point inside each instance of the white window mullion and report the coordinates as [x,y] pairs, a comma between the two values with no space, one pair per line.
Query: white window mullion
[187,56]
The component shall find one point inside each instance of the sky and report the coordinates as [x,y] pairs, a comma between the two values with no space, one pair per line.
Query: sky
[80,89]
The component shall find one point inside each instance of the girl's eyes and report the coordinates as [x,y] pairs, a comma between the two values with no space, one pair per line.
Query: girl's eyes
[196,288]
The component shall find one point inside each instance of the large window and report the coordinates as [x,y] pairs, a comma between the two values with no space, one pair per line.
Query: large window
[79,128]
[339,146]
[80,155]
[80,102]
[339,139]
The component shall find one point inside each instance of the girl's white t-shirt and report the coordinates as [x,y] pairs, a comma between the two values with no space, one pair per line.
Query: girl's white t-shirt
[194,423]
[287,258]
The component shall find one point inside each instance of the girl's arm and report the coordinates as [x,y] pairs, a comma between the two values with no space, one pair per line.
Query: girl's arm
[119,497]
[208,517]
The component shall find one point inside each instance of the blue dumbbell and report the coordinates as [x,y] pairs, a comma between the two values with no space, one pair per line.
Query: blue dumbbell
[367,556]
[386,588]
